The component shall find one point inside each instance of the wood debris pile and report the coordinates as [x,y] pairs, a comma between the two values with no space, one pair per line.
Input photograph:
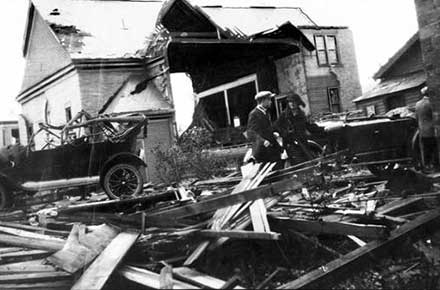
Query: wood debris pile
[306,226]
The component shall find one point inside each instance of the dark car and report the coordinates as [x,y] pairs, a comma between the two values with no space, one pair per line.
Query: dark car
[374,141]
[83,152]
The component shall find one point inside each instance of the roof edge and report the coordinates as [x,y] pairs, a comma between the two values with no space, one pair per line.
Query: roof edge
[393,59]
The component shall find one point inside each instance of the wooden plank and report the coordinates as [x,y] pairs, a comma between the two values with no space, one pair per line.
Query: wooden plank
[26,267]
[34,277]
[150,279]
[81,248]
[200,279]
[336,228]
[27,234]
[225,200]
[396,207]
[330,271]
[23,256]
[100,270]
[58,285]
[237,234]
[31,243]
[41,230]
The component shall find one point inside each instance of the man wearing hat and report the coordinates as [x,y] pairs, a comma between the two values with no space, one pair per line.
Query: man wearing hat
[265,147]
[427,141]
[294,127]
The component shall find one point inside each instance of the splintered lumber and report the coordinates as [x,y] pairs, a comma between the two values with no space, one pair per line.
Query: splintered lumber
[26,234]
[399,206]
[236,234]
[58,285]
[109,204]
[33,277]
[332,270]
[150,279]
[336,228]
[224,200]
[23,256]
[33,266]
[41,230]
[194,277]
[81,248]
[32,243]
[100,270]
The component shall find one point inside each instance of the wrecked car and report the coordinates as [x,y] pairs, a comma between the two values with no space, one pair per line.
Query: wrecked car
[376,141]
[86,151]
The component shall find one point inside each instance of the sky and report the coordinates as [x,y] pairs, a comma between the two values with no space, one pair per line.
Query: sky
[380,28]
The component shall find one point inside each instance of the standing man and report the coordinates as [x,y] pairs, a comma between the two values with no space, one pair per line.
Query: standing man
[265,147]
[428,144]
[294,128]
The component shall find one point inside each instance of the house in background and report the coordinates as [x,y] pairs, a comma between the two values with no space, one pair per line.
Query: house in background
[226,74]
[400,81]
[134,58]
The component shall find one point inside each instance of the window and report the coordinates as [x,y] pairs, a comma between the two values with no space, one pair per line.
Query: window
[68,112]
[229,104]
[334,100]
[326,50]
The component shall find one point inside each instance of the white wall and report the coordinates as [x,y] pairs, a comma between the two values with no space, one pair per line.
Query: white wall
[59,95]
[184,100]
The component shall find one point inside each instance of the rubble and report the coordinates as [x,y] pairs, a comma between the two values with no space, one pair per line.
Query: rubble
[306,226]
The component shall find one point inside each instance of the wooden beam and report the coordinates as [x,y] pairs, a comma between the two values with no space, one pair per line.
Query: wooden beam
[237,234]
[23,256]
[194,277]
[336,228]
[100,270]
[33,266]
[33,277]
[332,270]
[150,279]
[38,285]
[31,243]
[224,200]
[400,206]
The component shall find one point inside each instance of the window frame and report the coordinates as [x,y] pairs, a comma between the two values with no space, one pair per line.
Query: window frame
[326,50]
[329,99]
[227,86]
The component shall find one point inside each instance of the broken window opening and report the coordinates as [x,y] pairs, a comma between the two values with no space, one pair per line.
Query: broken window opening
[228,105]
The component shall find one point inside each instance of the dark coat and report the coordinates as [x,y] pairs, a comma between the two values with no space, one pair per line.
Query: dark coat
[259,129]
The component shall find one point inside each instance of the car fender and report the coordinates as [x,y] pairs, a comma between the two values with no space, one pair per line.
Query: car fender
[124,157]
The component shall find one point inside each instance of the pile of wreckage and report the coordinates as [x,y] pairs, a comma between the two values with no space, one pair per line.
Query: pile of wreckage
[306,226]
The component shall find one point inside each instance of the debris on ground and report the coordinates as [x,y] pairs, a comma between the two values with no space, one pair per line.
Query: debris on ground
[317,224]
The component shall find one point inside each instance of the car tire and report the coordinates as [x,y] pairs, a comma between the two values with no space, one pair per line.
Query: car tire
[122,180]
[5,198]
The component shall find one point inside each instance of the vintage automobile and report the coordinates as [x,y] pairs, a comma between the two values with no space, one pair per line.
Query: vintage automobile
[377,141]
[83,152]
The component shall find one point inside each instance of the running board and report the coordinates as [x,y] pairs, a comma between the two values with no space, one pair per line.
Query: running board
[60,183]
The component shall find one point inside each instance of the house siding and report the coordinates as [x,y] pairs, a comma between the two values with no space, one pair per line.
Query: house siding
[97,86]
[45,55]
[410,98]
[291,77]
[346,71]
[65,92]
[411,61]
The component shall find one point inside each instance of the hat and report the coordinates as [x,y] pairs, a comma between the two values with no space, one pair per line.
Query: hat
[295,98]
[264,94]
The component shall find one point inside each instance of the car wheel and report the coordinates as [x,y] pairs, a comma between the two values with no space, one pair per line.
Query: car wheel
[5,198]
[122,180]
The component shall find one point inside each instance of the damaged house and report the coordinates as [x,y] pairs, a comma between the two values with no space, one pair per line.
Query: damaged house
[163,58]
[401,80]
